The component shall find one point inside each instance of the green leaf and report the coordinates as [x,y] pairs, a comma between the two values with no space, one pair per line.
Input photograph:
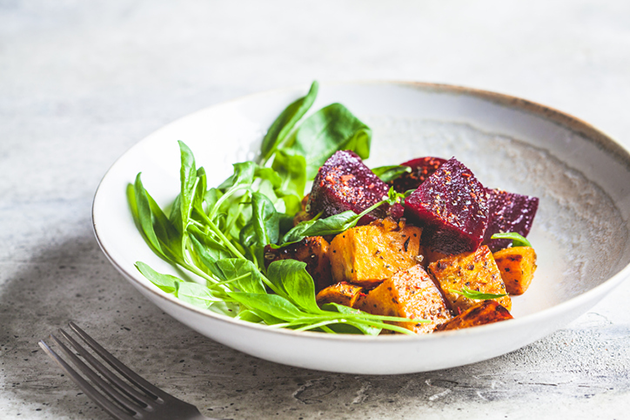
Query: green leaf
[292,171]
[357,327]
[196,295]
[188,181]
[274,305]
[265,220]
[473,294]
[285,122]
[328,130]
[232,268]
[332,225]
[390,173]
[517,239]
[166,282]
[243,175]
[291,277]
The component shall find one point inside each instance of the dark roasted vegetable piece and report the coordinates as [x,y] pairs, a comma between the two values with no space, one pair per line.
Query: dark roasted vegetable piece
[410,294]
[453,206]
[421,169]
[508,212]
[486,312]
[475,271]
[313,251]
[342,293]
[345,183]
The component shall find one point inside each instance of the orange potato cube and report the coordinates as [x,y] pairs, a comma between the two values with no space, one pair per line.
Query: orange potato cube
[476,271]
[411,294]
[369,254]
[486,312]
[341,293]
[517,266]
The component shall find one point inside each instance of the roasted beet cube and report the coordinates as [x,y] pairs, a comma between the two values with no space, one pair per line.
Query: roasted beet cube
[508,212]
[453,206]
[345,183]
[421,169]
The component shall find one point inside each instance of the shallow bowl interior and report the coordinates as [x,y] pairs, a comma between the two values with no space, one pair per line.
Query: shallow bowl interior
[581,176]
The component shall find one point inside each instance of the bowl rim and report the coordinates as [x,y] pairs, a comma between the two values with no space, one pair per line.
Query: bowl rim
[603,141]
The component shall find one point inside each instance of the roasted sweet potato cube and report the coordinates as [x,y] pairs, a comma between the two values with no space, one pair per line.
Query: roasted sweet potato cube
[367,255]
[517,266]
[313,251]
[475,271]
[341,293]
[411,294]
[486,312]
[452,205]
[345,183]
[508,212]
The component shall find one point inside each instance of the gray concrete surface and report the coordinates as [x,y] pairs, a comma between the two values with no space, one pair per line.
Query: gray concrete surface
[80,82]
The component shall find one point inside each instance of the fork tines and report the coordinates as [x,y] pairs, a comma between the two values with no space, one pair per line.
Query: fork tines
[115,395]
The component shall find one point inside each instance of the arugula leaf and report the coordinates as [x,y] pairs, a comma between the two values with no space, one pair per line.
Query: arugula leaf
[274,305]
[473,294]
[243,176]
[350,328]
[390,173]
[517,239]
[285,122]
[328,130]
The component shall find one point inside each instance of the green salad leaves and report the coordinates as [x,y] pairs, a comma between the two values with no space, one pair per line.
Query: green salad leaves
[219,233]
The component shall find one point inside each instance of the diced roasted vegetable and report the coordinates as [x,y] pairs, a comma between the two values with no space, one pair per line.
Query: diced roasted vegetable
[508,212]
[421,169]
[517,266]
[341,293]
[313,251]
[486,312]
[409,294]
[367,255]
[345,183]
[453,206]
[474,271]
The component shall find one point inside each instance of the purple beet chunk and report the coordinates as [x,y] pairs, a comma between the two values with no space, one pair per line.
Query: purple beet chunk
[421,169]
[345,183]
[453,206]
[508,212]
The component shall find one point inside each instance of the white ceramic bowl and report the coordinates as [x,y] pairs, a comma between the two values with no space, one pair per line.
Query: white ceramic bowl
[581,176]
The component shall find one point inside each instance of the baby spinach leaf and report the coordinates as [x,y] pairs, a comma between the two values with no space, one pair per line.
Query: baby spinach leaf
[473,294]
[243,175]
[251,281]
[166,282]
[265,220]
[390,173]
[196,294]
[291,277]
[285,122]
[517,239]
[350,328]
[292,171]
[328,130]
[188,181]
[274,305]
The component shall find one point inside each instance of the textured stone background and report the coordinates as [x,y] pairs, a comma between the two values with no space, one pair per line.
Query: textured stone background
[80,82]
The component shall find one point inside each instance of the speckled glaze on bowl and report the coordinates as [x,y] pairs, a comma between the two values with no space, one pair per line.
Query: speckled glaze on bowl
[581,232]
